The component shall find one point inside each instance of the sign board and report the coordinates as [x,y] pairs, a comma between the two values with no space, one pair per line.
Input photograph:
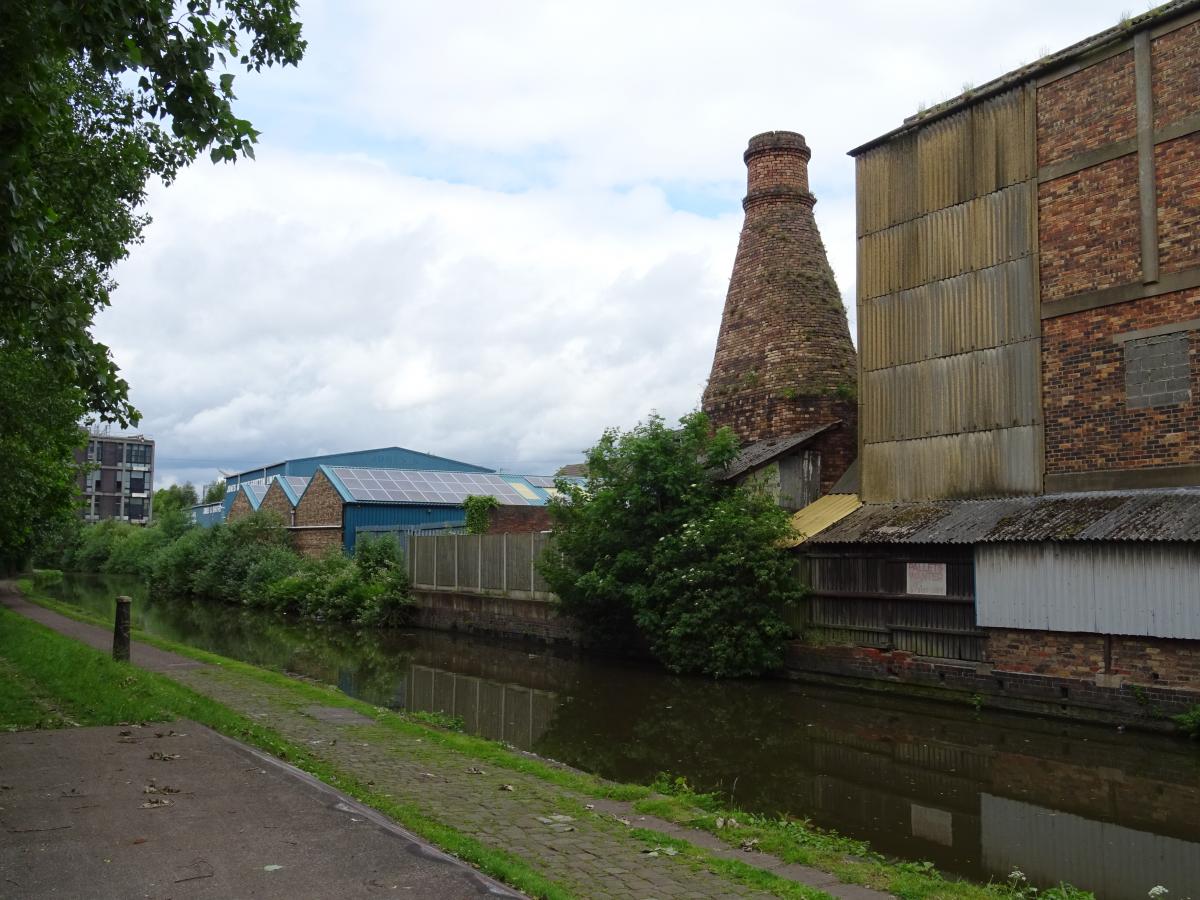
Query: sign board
[926,578]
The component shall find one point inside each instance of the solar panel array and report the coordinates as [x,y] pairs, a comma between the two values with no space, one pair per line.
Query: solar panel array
[405,486]
[297,483]
[542,481]
[257,490]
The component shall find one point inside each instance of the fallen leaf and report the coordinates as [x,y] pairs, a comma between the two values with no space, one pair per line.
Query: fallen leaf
[507,787]
[163,757]
[272,868]
[474,770]
[155,802]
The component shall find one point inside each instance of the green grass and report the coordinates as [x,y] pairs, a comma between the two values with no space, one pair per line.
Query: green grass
[793,840]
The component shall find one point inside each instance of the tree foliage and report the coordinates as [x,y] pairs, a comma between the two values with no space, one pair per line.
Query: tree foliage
[655,549]
[478,510]
[98,98]
[215,492]
[175,497]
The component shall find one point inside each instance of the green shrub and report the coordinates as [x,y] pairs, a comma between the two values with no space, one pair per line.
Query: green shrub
[1189,722]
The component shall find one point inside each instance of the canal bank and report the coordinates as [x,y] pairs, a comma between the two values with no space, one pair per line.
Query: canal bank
[921,780]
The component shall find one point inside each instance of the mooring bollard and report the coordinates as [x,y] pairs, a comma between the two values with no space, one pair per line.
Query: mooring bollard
[121,630]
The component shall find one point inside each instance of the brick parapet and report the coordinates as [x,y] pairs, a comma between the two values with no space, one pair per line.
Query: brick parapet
[518,519]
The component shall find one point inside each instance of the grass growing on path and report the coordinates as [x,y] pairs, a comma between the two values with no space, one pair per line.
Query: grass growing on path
[794,841]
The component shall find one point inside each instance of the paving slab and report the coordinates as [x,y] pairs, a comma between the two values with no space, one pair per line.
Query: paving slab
[178,811]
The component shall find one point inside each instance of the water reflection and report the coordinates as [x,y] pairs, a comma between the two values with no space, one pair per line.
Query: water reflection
[976,794]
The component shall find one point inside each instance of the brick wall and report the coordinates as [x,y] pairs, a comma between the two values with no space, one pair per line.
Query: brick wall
[503,616]
[240,508]
[1088,229]
[1090,425]
[784,361]
[1146,661]
[320,504]
[316,541]
[1086,110]
[1177,170]
[276,501]
[1176,75]
[518,519]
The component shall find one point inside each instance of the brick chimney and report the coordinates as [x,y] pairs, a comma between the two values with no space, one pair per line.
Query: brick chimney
[784,361]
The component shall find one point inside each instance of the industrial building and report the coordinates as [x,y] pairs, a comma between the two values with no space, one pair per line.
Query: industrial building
[116,477]
[1023,521]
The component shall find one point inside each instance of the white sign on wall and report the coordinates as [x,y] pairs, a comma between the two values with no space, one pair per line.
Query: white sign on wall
[926,578]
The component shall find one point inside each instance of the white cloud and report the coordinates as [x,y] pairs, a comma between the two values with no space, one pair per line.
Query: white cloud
[467,228]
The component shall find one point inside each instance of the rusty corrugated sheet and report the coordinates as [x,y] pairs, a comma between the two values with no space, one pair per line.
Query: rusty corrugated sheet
[1162,515]
[820,514]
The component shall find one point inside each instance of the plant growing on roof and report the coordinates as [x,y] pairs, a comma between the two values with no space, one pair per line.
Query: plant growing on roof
[657,550]
[479,509]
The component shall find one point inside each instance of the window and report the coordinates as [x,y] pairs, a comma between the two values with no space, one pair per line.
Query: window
[1158,371]
[136,508]
[137,482]
[137,453]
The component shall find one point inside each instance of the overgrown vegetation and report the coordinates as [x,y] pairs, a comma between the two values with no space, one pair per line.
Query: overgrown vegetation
[656,550]
[479,510]
[247,562]
[1189,722]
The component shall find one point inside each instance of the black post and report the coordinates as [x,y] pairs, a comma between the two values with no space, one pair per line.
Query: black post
[121,630]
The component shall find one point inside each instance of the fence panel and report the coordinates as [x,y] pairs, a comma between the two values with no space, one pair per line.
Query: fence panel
[445,560]
[491,549]
[422,556]
[519,562]
[468,561]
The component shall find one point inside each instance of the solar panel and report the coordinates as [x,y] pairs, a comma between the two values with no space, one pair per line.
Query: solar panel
[542,481]
[409,486]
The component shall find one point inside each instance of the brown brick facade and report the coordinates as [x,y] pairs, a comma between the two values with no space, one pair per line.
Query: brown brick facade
[316,541]
[239,508]
[519,519]
[1086,110]
[1090,426]
[1176,75]
[1177,169]
[1088,229]
[1136,660]
[784,362]
[321,504]
[276,501]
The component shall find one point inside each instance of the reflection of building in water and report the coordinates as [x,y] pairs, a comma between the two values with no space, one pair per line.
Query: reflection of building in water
[501,712]
[1049,846]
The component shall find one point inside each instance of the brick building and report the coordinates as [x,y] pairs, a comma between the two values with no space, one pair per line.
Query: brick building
[784,364]
[1029,334]
[117,477]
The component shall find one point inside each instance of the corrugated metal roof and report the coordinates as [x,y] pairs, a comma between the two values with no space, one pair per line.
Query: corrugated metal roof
[762,452]
[1158,515]
[820,514]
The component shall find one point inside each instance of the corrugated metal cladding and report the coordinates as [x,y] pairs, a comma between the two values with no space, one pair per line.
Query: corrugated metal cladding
[947,291]
[409,517]
[1138,589]
[1051,846]
[972,235]
[976,391]
[973,464]
[980,150]
[986,308]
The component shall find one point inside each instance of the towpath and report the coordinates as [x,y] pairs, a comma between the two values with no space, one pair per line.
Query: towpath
[592,847]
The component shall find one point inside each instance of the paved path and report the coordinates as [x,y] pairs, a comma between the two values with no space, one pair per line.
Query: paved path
[178,811]
[589,851]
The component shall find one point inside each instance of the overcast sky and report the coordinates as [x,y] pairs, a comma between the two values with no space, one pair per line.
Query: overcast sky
[490,230]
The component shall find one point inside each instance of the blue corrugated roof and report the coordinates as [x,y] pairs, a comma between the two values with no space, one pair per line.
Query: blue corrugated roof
[379,457]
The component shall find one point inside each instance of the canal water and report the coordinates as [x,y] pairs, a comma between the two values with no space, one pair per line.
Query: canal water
[976,793]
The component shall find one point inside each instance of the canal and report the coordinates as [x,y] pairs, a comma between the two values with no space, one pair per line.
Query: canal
[976,793]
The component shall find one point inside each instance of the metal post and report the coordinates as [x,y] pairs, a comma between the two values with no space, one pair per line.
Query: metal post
[120,650]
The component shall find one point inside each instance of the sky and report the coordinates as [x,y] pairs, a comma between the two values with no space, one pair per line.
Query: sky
[489,231]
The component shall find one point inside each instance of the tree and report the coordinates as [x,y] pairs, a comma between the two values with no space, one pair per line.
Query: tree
[215,492]
[654,549]
[177,496]
[99,97]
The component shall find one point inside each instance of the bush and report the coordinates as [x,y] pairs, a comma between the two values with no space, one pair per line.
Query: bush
[656,549]
[1189,722]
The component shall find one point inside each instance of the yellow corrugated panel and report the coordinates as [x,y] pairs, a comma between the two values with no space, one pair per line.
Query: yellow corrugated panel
[820,514]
